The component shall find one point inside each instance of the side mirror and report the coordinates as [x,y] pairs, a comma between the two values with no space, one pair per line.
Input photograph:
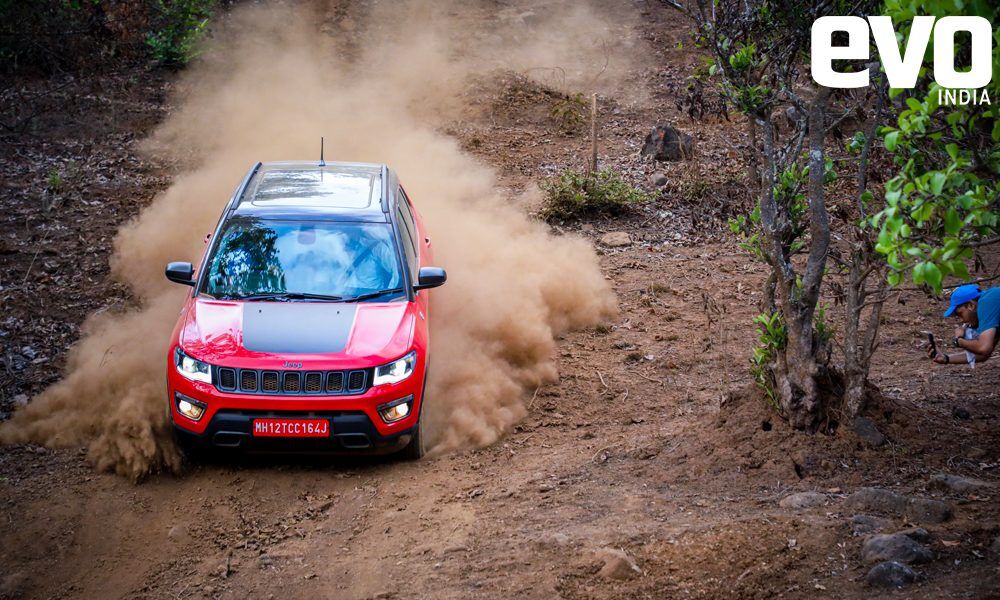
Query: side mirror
[430,277]
[180,272]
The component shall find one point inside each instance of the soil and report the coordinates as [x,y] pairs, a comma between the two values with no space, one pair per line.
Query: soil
[653,441]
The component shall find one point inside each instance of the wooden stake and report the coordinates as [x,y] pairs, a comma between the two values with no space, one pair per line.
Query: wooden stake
[593,133]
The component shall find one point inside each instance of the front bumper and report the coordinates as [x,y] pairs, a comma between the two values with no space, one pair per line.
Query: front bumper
[350,433]
[357,427]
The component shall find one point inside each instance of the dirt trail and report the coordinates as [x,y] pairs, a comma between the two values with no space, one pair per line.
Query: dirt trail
[637,446]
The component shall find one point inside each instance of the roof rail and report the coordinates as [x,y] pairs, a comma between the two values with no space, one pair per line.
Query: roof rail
[241,191]
[385,189]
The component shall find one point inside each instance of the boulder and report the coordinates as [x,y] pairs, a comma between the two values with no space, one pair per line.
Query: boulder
[922,510]
[616,239]
[802,500]
[917,534]
[876,500]
[890,574]
[960,485]
[917,510]
[866,430]
[866,524]
[894,547]
[665,143]
[617,564]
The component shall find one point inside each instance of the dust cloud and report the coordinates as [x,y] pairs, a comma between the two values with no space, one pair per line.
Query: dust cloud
[377,80]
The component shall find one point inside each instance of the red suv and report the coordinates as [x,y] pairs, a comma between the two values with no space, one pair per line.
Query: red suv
[307,329]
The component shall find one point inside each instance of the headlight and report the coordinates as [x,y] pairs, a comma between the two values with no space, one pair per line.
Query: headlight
[191,368]
[396,371]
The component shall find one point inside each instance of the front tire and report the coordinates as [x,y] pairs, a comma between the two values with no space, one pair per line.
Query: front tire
[190,447]
[415,450]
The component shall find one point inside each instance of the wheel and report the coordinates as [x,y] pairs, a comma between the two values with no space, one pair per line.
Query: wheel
[415,449]
[189,446]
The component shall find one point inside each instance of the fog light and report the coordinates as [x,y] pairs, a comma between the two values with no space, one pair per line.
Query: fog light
[189,407]
[395,410]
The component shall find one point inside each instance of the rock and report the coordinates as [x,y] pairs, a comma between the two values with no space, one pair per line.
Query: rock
[917,534]
[876,500]
[617,564]
[21,400]
[921,510]
[866,524]
[890,574]
[658,179]
[917,510]
[866,430]
[895,547]
[616,239]
[960,413]
[665,143]
[954,483]
[177,533]
[802,500]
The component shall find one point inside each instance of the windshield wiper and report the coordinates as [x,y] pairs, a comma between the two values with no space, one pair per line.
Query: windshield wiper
[371,295]
[285,296]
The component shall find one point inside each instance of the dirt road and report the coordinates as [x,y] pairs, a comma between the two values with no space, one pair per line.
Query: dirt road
[648,444]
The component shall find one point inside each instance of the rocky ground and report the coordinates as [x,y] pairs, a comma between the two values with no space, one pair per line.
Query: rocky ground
[651,469]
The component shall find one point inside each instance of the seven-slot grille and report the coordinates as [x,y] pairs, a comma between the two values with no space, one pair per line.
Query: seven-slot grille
[292,383]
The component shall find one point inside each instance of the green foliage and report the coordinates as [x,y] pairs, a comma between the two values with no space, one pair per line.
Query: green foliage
[576,194]
[824,330]
[54,181]
[569,112]
[790,195]
[180,24]
[773,338]
[944,195]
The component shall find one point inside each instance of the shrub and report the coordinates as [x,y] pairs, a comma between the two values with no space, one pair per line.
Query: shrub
[575,194]
[179,25]
[569,113]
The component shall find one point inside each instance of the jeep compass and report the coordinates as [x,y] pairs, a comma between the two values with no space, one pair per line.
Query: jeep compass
[307,326]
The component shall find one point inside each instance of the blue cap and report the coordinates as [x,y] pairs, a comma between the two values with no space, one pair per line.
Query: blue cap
[961,295]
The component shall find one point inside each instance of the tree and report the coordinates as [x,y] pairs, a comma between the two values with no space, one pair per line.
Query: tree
[758,53]
[944,200]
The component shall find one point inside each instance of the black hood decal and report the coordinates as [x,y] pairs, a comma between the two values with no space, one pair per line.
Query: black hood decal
[297,327]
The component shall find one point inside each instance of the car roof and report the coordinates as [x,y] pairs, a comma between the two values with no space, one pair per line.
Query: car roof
[341,191]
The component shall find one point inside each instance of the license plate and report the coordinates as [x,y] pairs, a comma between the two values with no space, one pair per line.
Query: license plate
[301,428]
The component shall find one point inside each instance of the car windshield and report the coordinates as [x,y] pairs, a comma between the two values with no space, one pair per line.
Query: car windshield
[258,257]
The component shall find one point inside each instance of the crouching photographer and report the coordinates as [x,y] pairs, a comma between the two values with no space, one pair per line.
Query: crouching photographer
[978,313]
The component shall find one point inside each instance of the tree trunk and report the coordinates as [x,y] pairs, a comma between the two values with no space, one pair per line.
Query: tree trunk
[797,371]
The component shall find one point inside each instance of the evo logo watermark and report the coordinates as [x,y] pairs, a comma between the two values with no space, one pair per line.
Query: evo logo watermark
[903,68]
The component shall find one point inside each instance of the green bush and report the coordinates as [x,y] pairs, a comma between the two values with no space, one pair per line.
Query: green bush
[179,25]
[569,113]
[574,195]
[773,338]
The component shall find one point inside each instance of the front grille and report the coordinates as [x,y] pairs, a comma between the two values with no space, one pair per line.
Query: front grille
[269,381]
[248,380]
[356,381]
[334,382]
[227,379]
[292,383]
[314,383]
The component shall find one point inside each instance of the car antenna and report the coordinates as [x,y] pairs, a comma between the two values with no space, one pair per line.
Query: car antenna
[322,163]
